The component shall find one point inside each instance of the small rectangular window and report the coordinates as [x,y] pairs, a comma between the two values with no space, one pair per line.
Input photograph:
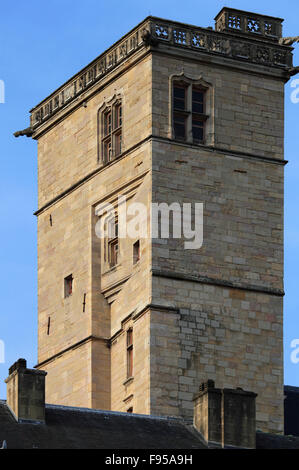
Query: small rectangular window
[130,353]
[136,252]
[68,286]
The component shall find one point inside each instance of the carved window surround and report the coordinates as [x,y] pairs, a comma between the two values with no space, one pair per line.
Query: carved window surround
[111,255]
[111,209]
[208,89]
[110,134]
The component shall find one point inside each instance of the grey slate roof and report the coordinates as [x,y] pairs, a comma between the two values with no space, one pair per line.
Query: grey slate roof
[82,428]
[77,428]
[276,441]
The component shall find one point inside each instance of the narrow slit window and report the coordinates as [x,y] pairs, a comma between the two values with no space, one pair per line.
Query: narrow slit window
[136,252]
[49,326]
[130,353]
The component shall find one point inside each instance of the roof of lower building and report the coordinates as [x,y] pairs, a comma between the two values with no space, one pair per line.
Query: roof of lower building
[81,428]
[276,441]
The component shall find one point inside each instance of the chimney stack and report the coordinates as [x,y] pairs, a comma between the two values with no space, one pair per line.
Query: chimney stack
[238,418]
[26,392]
[225,418]
[207,413]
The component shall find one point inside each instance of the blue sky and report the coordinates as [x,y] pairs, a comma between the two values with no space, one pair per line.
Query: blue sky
[42,44]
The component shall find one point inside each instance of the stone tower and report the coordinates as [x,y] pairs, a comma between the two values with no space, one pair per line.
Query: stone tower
[171,113]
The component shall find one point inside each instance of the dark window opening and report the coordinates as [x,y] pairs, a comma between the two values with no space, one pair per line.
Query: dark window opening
[179,125]
[197,101]
[130,410]
[180,106]
[189,116]
[68,286]
[197,130]
[179,97]
[136,252]
[198,116]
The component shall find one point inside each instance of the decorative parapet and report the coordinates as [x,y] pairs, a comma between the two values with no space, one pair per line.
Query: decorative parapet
[240,47]
[94,72]
[156,31]
[253,24]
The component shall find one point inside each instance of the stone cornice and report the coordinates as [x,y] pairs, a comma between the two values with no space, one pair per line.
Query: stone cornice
[218,282]
[236,45]
[150,138]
